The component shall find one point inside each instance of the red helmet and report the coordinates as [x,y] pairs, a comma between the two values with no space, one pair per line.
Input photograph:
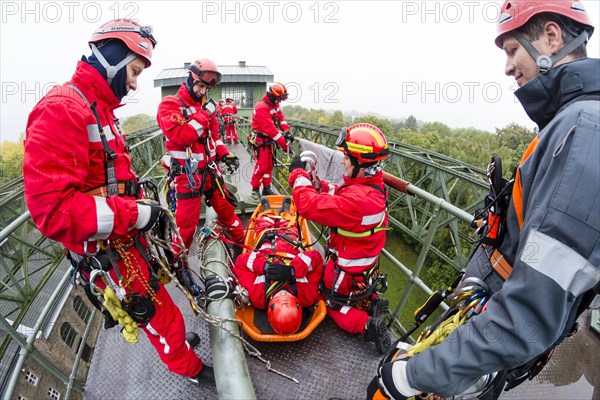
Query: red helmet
[515,14]
[284,313]
[278,91]
[138,38]
[365,142]
[205,71]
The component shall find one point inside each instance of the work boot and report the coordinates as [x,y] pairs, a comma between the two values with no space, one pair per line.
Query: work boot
[264,203]
[378,307]
[255,196]
[206,377]
[377,333]
[267,191]
[286,204]
[193,339]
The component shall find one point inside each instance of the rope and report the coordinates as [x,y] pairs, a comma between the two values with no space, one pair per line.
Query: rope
[113,305]
[217,322]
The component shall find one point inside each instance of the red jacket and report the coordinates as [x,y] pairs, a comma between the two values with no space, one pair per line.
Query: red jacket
[229,108]
[64,159]
[268,119]
[282,250]
[355,206]
[308,264]
[182,134]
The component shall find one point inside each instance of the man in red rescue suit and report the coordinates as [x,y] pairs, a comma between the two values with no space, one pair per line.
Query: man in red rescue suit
[81,189]
[277,259]
[269,128]
[229,111]
[357,214]
[195,147]
[544,270]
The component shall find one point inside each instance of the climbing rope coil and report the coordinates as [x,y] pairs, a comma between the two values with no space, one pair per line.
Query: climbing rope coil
[468,299]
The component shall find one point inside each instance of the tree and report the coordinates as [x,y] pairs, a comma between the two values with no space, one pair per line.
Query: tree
[438,127]
[293,111]
[337,119]
[11,159]
[516,138]
[138,122]
[411,123]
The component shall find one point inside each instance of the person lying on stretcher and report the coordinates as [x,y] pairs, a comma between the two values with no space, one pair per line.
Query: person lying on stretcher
[278,274]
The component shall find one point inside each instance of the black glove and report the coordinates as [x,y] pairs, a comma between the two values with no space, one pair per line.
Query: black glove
[279,272]
[149,212]
[218,289]
[232,163]
[297,163]
[288,136]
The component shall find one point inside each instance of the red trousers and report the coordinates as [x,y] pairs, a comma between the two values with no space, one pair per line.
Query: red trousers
[166,332]
[263,169]
[187,214]
[166,329]
[350,319]
[231,132]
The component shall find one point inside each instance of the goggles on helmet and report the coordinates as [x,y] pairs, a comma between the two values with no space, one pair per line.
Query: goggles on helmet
[341,139]
[210,78]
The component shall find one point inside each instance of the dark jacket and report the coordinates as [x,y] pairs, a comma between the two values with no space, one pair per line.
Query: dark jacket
[553,240]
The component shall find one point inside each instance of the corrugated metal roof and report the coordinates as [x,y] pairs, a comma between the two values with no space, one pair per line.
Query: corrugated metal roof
[231,74]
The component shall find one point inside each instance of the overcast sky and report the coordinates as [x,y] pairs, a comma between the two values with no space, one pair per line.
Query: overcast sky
[435,60]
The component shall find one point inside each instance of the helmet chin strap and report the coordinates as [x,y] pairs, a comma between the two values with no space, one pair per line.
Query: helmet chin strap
[544,62]
[111,70]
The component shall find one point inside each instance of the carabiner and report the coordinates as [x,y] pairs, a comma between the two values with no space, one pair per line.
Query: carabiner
[95,274]
[85,249]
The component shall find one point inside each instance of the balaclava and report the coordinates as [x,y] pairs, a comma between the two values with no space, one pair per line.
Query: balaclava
[114,51]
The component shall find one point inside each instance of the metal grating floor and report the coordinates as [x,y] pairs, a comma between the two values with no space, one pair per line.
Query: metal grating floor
[329,363]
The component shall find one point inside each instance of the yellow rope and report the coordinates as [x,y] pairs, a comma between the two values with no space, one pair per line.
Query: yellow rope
[445,329]
[113,305]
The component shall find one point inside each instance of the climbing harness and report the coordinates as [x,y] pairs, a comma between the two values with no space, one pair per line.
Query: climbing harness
[364,286]
[491,221]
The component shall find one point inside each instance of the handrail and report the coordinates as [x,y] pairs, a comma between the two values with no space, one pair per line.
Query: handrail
[27,347]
